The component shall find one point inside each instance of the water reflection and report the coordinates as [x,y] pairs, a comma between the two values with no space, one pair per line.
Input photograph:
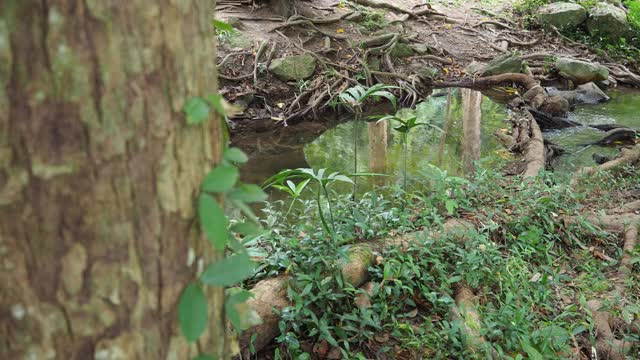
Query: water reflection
[471,119]
[466,124]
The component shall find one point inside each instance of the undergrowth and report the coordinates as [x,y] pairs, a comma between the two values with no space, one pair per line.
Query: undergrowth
[532,275]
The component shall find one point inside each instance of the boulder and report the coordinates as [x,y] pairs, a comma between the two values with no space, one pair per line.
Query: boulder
[297,67]
[508,63]
[562,15]
[556,106]
[588,93]
[581,72]
[608,21]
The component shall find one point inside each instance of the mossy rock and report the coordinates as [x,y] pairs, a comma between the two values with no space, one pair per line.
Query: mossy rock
[293,68]
[238,40]
[401,50]
[608,21]
[581,72]
[508,63]
[562,15]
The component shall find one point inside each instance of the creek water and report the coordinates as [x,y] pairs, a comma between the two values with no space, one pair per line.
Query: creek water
[459,139]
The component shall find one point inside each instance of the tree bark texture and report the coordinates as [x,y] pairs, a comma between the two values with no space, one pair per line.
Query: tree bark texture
[99,175]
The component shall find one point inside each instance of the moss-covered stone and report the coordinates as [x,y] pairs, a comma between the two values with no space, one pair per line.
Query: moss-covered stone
[508,63]
[608,21]
[298,67]
[562,15]
[581,72]
[401,50]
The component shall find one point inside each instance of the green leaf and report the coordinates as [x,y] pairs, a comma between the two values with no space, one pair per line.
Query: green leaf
[385,94]
[217,102]
[221,178]
[222,26]
[249,193]
[196,110]
[228,271]
[531,351]
[235,155]
[192,312]
[451,206]
[213,221]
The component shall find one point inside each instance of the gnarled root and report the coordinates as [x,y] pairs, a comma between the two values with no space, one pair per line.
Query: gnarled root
[607,345]
[628,156]
[465,310]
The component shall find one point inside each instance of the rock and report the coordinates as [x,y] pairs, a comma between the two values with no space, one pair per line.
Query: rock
[608,21]
[233,21]
[428,72]
[581,72]
[474,68]
[401,50]
[421,48]
[588,93]
[508,63]
[556,106]
[562,15]
[237,40]
[297,67]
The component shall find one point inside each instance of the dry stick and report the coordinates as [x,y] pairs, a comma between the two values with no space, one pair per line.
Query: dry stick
[433,58]
[516,42]
[263,46]
[492,14]
[492,22]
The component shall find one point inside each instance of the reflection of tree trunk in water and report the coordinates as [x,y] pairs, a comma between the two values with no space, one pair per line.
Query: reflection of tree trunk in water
[445,129]
[471,116]
[378,141]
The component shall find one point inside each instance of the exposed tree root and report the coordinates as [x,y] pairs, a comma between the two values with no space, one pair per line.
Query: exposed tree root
[271,294]
[465,311]
[628,156]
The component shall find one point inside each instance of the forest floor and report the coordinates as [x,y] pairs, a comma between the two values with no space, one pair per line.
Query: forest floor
[548,266]
[444,37]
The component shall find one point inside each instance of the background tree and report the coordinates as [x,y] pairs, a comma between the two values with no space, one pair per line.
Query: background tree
[99,174]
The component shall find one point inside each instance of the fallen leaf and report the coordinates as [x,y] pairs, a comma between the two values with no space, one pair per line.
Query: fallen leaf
[340,30]
[280,105]
[413,313]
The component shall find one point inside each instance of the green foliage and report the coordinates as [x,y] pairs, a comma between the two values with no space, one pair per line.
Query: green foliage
[406,124]
[237,265]
[193,312]
[634,13]
[521,267]
[228,271]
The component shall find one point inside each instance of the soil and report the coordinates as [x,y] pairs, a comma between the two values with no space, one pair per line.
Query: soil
[451,35]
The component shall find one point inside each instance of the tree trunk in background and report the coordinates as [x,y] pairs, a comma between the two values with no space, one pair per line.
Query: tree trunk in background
[99,174]
[378,146]
[471,118]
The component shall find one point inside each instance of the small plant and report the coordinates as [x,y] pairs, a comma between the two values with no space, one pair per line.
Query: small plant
[406,124]
[354,98]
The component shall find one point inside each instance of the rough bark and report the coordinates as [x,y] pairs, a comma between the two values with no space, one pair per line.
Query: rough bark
[471,118]
[99,173]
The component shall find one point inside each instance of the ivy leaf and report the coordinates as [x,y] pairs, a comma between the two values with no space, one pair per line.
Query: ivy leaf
[192,312]
[221,178]
[228,271]
[235,155]
[248,193]
[213,221]
[196,110]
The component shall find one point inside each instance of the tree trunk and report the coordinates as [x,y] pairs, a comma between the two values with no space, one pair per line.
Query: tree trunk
[99,174]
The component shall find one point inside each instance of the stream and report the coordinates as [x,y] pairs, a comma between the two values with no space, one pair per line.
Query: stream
[459,139]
